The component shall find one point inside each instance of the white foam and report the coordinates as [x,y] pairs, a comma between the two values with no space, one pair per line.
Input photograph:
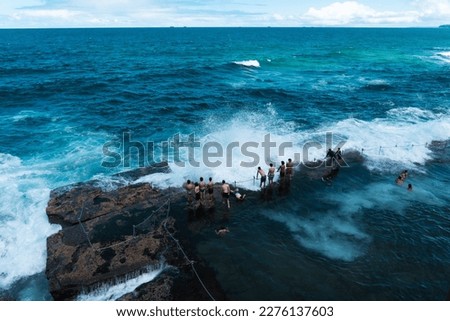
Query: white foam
[108,183]
[400,138]
[386,195]
[237,131]
[444,56]
[248,63]
[24,226]
[113,291]
[336,233]
[24,193]
[329,234]
[375,82]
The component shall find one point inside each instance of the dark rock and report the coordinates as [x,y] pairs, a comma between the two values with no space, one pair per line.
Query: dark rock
[85,202]
[72,268]
[162,167]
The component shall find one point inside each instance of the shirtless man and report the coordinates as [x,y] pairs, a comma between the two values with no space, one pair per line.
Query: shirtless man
[290,168]
[263,177]
[282,170]
[226,190]
[271,173]
[189,188]
[210,187]
[202,185]
[197,191]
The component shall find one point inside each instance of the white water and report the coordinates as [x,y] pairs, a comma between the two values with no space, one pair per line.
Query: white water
[444,56]
[24,226]
[24,193]
[331,234]
[248,63]
[399,139]
[113,291]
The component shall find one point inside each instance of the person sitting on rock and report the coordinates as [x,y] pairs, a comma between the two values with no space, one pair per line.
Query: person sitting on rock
[238,195]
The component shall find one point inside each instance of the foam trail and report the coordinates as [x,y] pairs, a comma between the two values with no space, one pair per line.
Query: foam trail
[330,234]
[335,233]
[386,195]
[109,292]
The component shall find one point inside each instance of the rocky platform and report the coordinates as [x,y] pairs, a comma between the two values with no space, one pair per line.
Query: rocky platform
[110,235]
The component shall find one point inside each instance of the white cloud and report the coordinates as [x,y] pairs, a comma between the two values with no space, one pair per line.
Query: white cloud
[434,12]
[48,14]
[355,13]
[116,13]
[438,8]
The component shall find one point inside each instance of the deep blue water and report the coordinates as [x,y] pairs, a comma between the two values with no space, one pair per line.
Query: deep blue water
[384,92]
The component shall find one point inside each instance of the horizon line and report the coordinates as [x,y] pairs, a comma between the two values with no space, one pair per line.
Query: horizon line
[228,27]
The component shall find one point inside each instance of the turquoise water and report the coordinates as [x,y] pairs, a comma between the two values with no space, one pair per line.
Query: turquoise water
[383,93]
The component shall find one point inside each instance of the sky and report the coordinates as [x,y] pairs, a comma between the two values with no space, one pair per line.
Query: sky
[222,13]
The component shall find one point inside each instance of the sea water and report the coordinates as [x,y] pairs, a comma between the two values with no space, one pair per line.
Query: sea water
[73,99]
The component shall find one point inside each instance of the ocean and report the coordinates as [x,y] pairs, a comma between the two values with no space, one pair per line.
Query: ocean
[82,104]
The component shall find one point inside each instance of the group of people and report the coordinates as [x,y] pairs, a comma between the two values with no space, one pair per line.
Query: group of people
[402,178]
[285,170]
[204,191]
[201,191]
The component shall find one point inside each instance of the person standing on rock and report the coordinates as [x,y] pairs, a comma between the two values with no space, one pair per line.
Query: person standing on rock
[282,170]
[210,187]
[271,173]
[202,185]
[189,188]
[226,190]
[263,177]
[197,192]
[290,168]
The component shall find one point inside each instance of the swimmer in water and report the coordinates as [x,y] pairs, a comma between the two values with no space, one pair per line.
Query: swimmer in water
[221,231]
